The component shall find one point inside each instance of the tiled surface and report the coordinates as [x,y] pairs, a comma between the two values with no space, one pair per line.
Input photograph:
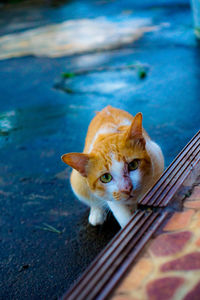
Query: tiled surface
[169,267]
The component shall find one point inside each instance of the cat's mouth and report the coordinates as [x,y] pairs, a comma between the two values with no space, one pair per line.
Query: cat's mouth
[131,199]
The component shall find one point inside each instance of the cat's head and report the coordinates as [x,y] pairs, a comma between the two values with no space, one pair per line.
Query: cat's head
[119,167]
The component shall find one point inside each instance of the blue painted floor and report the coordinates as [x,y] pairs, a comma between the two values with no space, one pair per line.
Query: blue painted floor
[43,116]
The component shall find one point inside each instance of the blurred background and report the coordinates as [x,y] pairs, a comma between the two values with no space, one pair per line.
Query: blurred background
[60,61]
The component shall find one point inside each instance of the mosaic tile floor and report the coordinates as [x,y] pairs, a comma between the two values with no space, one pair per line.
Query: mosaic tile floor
[169,267]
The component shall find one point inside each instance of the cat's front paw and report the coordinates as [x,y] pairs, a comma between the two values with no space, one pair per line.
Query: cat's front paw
[97,216]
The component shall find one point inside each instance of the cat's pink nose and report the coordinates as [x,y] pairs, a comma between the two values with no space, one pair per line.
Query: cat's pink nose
[127,189]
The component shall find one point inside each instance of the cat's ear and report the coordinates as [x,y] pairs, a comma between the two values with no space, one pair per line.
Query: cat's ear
[78,161]
[135,130]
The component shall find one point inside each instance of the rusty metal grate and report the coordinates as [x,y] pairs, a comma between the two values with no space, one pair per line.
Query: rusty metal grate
[103,274]
[111,264]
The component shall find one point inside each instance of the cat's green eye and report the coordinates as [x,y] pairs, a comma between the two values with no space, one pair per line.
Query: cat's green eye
[133,165]
[105,178]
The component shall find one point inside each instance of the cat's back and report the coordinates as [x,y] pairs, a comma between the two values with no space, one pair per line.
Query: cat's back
[107,121]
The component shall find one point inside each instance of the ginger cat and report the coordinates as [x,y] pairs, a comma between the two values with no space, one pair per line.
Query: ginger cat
[118,165]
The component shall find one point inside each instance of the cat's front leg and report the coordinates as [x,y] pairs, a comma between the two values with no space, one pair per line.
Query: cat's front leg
[97,216]
[121,212]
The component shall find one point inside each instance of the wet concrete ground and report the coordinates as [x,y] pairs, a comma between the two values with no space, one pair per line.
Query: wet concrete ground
[43,116]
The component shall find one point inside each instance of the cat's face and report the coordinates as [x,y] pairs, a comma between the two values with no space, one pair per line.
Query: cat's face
[119,167]
[118,170]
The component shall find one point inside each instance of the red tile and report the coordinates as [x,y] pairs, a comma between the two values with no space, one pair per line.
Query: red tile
[194,294]
[179,220]
[187,262]
[192,204]
[163,288]
[198,242]
[168,244]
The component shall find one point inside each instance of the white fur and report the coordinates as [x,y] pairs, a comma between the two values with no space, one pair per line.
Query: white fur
[157,158]
[97,216]
[135,178]
[121,212]
[117,182]
[125,122]
[116,168]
